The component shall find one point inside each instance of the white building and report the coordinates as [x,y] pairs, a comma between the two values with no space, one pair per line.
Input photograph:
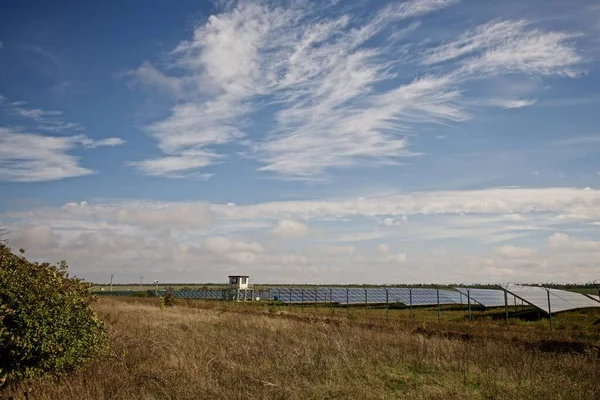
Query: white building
[239,282]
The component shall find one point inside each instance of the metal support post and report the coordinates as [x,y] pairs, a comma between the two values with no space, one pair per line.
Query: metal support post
[549,309]
[316,298]
[438,304]
[366,302]
[410,301]
[506,306]
[469,301]
[302,298]
[331,301]
[347,302]
[387,304]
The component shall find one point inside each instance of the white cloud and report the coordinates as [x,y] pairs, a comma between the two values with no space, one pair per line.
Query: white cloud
[383,248]
[511,103]
[46,120]
[288,228]
[147,74]
[224,245]
[27,157]
[93,143]
[319,78]
[200,241]
[564,241]
[507,46]
[512,252]
[30,157]
[415,8]
[399,258]
[319,73]
[333,251]
[358,236]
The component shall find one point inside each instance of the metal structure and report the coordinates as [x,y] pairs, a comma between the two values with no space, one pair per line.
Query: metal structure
[551,300]
[547,300]
[489,297]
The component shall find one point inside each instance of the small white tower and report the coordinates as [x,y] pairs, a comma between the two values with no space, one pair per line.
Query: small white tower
[238,282]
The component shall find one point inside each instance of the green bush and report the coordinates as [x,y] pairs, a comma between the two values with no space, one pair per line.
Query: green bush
[46,323]
[169,300]
[139,294]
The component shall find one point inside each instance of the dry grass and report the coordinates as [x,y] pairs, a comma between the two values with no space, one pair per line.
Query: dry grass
[214,352]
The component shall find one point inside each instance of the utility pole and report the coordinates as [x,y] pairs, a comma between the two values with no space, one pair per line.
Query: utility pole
[111,279]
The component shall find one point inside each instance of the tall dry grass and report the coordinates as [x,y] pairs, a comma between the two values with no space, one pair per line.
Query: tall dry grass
[232,352]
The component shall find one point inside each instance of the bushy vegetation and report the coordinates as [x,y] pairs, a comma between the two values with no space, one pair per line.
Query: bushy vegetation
[46,322]
[169,300]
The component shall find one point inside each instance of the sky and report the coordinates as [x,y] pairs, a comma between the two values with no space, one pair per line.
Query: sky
[384,142]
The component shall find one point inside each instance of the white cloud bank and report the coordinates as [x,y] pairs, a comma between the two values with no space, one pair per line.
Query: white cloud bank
[327,240]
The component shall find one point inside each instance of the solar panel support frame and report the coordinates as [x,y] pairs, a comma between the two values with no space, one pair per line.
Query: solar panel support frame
[438,304]
[506,306]
[347,301]
[410,301]
[549,307]
[469,302]
[387,304]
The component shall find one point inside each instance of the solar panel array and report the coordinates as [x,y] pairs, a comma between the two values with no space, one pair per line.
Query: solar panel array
[406,296]
[559,300]
[487,297]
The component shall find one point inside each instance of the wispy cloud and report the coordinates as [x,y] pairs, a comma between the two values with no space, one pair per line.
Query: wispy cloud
[26,157]
[29,154]
[31,157]
[328,87]
[582,140]
[46,120]
[511,103]
[509,46]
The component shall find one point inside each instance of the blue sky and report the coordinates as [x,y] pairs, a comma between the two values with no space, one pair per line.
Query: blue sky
[297,141]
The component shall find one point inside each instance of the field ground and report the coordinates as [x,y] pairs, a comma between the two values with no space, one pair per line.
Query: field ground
[218,350]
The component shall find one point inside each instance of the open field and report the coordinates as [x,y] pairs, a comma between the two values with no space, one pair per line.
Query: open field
[204,349]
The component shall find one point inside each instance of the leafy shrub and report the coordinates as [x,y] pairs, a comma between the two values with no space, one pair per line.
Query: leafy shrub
[139,294]
[169,300]
[46,323]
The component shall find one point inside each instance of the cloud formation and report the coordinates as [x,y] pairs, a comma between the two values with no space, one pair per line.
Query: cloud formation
[35,154]
[180,239]
[330,86]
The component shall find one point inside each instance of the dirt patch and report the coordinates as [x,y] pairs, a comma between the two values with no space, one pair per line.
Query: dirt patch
[464,337]
[565,347]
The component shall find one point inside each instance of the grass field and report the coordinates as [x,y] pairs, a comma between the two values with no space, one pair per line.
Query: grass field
[218,350]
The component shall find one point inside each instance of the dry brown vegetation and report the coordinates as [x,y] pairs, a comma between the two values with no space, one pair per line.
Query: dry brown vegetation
[216,350]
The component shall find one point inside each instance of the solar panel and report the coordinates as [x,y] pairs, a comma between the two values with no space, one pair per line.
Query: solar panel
[560,300]
[593,296]
[487,297]
[422,296]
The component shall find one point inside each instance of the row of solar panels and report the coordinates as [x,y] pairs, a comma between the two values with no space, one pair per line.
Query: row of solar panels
[547,300]
[339,295]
